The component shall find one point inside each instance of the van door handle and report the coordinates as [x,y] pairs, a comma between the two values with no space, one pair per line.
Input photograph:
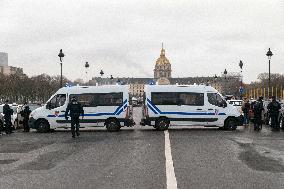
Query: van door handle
[210,109]
[198,109]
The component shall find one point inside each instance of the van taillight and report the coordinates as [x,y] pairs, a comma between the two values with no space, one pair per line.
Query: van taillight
[127,112]
[145,111]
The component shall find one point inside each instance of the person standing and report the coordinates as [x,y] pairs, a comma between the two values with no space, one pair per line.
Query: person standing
[76,110]
[26,114]
[8,112]
[258,108]
[273,109]
[245,109]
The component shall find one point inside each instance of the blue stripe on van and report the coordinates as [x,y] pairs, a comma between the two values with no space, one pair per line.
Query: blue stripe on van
[118,111]
[151,108]
[155,109]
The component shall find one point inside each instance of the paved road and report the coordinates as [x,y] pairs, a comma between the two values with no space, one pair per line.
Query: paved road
[141,157]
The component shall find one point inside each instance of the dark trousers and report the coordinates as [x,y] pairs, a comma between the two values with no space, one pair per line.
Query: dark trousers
[8,126]
[75,121]
[26,125]
[257,121]
[274,121]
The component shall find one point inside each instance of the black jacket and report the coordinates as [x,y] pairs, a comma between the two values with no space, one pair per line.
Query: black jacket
[7,111]
[75,109]
[26,113]
[258,108]
[274,107]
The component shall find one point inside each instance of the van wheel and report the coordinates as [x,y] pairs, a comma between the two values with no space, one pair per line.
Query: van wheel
[112,125]
[230,124]
[162,124]
[42,126]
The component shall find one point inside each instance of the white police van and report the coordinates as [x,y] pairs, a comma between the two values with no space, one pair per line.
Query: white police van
[103,106]
[190,105]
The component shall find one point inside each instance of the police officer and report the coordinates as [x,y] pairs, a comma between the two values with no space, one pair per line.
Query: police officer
[76,110]
[26,114]
[273,109]
[258,108]
[8,112]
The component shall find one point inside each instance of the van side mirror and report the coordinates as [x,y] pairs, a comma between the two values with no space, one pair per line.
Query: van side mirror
[223,104]
[48,106]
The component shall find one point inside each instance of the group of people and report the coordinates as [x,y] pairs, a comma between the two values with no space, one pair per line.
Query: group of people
[74,107]
[273,109]
[8,112]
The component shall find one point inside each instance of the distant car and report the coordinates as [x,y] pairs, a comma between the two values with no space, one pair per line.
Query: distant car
[18,117]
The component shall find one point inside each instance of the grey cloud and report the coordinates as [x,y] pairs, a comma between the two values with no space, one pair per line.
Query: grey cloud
[124,37]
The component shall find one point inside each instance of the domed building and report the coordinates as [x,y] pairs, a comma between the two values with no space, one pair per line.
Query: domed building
[163,66]
[163,76]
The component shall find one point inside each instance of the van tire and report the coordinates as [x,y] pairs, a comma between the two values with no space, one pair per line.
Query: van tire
[42,126]
[230,124]
[162,124]
[112,125]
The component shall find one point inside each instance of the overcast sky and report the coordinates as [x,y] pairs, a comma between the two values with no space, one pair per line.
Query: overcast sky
[201,37]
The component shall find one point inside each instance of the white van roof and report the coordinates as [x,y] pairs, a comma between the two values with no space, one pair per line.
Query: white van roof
[93,89]
[180,88]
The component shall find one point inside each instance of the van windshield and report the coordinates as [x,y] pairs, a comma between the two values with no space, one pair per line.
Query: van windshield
[215,99]
[57,101]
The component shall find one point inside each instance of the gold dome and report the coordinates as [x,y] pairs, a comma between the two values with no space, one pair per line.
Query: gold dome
[162,60]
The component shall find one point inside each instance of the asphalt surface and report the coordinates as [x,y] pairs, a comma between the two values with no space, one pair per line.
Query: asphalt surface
[135,158]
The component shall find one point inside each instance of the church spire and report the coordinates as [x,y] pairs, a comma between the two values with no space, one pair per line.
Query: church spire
[163,53]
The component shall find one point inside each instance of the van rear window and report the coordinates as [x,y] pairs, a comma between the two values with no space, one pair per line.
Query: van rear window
[178,98]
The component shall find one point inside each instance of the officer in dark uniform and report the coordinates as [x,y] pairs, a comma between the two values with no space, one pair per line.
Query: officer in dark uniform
[26,114]
[8,112]
[273,109]
[258,108]
[76,110]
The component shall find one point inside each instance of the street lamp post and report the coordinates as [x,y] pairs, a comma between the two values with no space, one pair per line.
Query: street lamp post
[215,81]
[102,73]
[269,55]
[111,79]
[225,73]
[215,77]
[241,87]
[61,55]
[87,67]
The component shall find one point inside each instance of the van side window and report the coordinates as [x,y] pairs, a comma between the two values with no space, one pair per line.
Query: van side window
[191,99]
[165,98]
[99,99]
[178,98]
[57,101]
[109,99]
[86,100]
[215,99]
